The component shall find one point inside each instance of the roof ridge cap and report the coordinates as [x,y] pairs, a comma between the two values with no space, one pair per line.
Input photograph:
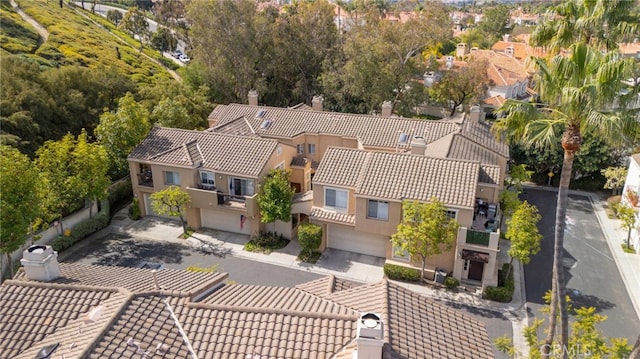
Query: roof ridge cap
[260,310]
[105,328]
[363,169]
[54,285]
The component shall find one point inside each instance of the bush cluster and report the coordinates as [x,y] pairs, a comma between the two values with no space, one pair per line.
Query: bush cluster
[266,242]
[451,283]
[502,293]
[397,272]
[309,237]
[83,229]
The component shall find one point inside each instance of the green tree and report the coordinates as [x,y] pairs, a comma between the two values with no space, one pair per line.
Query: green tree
[627,216]
[425,230]
[90,167]
[509,202]
[170,113]
[381,57]
[461,86]
[616,176]
[58,180]
[163,40]
[309,237]
[522,231]
[114,16]
[577,92]
[517,175]
[19,202]
[119,132]
[495,23]
[135,23]
[171,201]
[275,196]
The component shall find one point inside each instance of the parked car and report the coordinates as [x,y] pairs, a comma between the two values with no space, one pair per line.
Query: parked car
[184,58]
[176,54]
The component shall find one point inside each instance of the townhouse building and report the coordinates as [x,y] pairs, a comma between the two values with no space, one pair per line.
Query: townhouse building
[350,172]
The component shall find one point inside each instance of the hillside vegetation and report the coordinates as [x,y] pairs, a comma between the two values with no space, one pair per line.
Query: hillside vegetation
[16,35]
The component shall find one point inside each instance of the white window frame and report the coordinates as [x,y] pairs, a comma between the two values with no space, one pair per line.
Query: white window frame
[300,148]
[312,148]
[335,205]
[377,214]
[400,254]
[171,178]
[207,182]
[248,186]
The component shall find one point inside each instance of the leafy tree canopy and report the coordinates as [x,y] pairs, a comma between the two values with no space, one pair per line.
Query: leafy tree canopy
[275,196]
[171,201]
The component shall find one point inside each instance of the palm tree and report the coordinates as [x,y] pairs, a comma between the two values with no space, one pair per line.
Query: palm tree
[576,93]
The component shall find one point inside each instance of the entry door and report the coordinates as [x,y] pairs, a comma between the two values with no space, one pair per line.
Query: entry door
[475,270]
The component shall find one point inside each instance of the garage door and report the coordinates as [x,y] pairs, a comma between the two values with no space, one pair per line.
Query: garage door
[149,210]
[347,239]
[225,221]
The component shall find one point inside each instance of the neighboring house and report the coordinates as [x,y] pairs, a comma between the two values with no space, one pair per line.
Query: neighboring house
[221,173]
[298,139]
[632,185]
[52,310]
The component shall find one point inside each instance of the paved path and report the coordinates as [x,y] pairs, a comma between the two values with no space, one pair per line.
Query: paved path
[44,34]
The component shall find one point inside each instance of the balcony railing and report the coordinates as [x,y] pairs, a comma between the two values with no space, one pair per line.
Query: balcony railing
[206,186]
[145,179]
[478,238]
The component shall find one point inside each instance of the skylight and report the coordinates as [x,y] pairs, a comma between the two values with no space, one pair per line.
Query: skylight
[266,124]
[404,138]
[260,113]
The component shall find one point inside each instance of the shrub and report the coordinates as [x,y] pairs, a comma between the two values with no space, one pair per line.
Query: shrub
[266,242]
[613,203]
[503,293]
[451,282]
[309,257]
[83,229]
[134,210]
[309,237]
[119,194]
[397,272]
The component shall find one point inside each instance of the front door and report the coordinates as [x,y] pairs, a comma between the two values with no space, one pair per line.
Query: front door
[475,270]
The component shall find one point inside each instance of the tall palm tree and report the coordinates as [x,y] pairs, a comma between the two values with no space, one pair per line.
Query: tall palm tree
[579,94]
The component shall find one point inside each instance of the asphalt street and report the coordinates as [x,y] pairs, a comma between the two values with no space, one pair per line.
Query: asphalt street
[117,250]
[592,276]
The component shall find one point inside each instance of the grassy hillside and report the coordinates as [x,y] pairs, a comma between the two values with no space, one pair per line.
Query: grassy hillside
[76,40]
[16,35]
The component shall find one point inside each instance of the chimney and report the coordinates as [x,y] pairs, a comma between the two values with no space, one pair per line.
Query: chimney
[41,263]
[387,109]
[506,37]
[475,113]
[370,337]
[461,50]
[253,98]
[418,145]
[316,103]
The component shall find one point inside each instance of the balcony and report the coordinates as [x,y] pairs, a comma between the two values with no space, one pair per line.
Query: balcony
[209,197]
[206,186]
[145,179]
[478,238]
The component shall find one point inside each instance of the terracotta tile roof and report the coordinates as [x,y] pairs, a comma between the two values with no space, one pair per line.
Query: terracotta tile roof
[332,216]
[281,298]
[243,155]
[495,101]
[503,69]
[480,133]
[325,285]
[372,131]
[402,176]
[315,320]
[490,174]
[133,279]
[298,161]
[465,149]
[408,316]
[33,312]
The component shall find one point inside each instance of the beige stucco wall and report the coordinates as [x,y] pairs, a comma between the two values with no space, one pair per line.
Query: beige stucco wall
[318,197]
[377,226]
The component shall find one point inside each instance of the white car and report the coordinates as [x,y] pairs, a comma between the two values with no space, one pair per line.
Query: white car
[184,58]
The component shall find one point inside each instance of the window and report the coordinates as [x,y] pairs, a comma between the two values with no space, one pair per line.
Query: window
[265,124]
[378,210]
[312,148]
[280,166]
[300,148]
[452,214]
[260,113]
[336,199]
[241,187]
[399,253]
[403,138]
[172,178]
[207,179]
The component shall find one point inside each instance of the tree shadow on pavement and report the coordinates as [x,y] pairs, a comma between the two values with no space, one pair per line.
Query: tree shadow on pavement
[117,250]
[209,248]
[579,300]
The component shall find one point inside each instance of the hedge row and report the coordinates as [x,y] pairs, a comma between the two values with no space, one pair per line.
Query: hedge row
[83,229]
[397,272]
[503,293]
